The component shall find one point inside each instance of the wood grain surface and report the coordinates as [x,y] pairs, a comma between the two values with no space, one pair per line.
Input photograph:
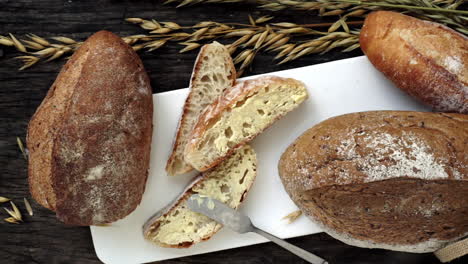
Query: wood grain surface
[42,239]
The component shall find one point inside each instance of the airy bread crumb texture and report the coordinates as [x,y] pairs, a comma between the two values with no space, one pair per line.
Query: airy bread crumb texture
[229,182]
[248,116]
[213,73]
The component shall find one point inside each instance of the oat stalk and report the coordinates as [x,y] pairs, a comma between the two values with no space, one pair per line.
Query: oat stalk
[448,6]
[289,41]
[4,199]
[244,41]
[441,11]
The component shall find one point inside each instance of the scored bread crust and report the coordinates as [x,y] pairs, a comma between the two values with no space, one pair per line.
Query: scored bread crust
[360,155]
[44,126]
[198,98]
[429,61]
[89,159]
[150,228]
[238,94]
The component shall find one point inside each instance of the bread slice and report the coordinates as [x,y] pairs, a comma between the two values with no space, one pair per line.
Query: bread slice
[177,226]
[242,113]
[212,74]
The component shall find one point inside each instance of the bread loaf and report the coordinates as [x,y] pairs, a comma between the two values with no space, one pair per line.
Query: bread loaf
[239,115]
[427,60]
[178,227]
[212,74]
[383,179]
[90,138]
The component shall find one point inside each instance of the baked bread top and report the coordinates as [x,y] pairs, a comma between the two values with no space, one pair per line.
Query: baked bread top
[427,60]
[377,145]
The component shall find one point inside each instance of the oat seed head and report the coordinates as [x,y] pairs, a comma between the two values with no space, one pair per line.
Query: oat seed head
[11,220]
[28,206]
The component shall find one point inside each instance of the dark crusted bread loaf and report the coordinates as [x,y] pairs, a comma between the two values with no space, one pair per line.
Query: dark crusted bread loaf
[90,138]
[427,60]
[384,179]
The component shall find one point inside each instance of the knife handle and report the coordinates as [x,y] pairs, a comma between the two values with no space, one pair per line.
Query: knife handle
[307,256]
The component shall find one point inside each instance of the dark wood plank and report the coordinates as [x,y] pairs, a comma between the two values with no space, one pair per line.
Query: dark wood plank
[42,239]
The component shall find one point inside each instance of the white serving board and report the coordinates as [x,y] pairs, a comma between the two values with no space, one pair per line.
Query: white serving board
[335,88]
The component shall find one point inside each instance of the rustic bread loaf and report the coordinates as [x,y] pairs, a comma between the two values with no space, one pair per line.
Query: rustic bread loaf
[212,74]
[90,138]
[179,227]
[427,60]
[383,179]
[242,113]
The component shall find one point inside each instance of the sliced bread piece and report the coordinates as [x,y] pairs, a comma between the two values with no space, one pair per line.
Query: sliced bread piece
[212,74]
[242,113]
[177,226]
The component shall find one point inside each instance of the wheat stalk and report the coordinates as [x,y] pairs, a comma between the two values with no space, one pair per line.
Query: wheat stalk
[245,40]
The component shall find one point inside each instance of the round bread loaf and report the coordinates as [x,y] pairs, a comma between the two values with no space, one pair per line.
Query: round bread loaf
[89,141]
[385,179]
[427,60]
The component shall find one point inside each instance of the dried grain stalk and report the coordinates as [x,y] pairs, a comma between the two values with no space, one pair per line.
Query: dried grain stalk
[246,40]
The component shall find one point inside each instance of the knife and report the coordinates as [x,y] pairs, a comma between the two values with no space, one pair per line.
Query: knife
[241,223]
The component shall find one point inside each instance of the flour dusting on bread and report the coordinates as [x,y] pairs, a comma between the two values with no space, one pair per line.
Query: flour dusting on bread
[408,157]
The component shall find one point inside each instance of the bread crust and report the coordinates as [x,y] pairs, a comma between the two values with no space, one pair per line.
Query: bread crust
[241,91]
[154,221]
[427,60]
[194,78]
[100,141]
[356,152]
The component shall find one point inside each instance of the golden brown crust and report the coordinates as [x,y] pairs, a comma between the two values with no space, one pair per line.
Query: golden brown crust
[99,153]
[427,60]
[358,156]
[239,93]
[154,222]
[195,76]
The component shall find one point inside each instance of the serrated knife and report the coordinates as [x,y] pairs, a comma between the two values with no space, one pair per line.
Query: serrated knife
[241,223]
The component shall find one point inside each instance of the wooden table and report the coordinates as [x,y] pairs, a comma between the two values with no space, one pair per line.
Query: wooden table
[42,239]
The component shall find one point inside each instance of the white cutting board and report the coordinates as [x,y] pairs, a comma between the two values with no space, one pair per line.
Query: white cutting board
[335,88]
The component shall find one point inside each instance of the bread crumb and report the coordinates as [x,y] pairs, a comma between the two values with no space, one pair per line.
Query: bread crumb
[292,216]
